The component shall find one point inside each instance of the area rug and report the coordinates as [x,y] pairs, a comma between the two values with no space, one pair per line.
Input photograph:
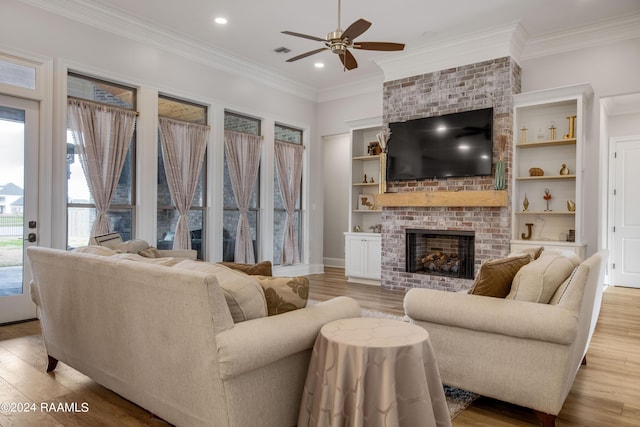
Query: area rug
[457,399]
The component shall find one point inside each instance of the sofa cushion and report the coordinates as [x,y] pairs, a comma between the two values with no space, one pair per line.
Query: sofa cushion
[260,269]
[284,293]
[242,292]
[539,280]
[95,250]
[495,276]
[166,261]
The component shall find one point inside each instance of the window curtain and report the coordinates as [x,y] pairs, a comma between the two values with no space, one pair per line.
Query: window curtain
[183,147]
[289,170]
[243,159]
[102,137]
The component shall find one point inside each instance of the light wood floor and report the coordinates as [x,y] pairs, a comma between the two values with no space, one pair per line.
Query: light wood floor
[606,392]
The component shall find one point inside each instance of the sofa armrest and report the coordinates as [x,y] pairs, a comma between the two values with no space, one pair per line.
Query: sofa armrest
[259,342]
[179,253]
[493,315]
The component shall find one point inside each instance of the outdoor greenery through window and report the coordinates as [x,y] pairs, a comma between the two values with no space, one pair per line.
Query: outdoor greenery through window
[168,214]
[292,136]
[244,124]
[81,207]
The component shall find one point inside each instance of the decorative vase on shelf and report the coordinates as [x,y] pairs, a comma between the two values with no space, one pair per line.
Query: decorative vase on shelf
[571,206]
[525,203]
[500,168]
[564,170]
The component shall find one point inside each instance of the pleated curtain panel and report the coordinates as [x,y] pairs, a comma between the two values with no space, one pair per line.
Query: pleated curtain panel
[243,160]
[289,171]
[183,147]
[102,136]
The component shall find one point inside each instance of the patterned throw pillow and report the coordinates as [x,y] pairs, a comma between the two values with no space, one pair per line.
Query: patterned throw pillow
[495,276]
[260,269]
[284,293]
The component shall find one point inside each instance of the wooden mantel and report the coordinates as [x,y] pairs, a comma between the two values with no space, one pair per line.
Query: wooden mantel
[488,198]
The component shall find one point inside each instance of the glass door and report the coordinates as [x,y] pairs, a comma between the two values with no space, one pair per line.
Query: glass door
[19,135]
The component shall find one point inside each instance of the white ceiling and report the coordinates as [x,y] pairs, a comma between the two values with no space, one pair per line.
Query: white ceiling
[254,27]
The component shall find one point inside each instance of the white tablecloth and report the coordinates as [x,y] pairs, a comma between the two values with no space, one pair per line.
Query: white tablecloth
[373,372]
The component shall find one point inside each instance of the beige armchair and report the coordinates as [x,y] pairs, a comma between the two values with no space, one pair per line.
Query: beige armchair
[525,353]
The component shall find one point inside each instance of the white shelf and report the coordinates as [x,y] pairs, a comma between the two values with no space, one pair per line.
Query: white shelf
[535,111]
[365,158]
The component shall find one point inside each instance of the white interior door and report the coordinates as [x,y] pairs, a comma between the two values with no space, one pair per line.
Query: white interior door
[19,136]
[626,234]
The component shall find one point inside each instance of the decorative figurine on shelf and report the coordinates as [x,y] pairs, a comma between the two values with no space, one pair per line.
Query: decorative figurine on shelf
[540,135]
[523,134]
[547,197]
[365,179]
[552,131]
[571,206]
[371,181]
[528,235]
[356,228]
[525,203]
[564,170]
[572,128]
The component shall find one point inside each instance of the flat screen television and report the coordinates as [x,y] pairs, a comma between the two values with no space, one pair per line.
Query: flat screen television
[451,145]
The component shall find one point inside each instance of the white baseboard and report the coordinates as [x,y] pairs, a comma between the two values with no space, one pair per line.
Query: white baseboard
[334,262]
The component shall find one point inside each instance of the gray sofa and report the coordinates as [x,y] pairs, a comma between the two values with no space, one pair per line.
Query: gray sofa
[526,353]
[163,337]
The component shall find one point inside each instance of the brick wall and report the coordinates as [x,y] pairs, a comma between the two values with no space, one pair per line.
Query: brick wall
[470,87]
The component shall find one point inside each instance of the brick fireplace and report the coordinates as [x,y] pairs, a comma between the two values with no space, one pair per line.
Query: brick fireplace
[486,84]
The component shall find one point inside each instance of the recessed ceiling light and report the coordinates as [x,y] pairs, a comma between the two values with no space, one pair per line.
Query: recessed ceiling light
[220,20]
[319,65]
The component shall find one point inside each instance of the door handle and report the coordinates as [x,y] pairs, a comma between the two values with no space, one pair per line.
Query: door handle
[31,237]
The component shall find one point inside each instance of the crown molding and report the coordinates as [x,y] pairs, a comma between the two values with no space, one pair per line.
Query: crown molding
[617,29]
[169,41]
[461,50]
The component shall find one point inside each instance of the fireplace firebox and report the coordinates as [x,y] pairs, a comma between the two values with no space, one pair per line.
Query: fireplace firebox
[447,253]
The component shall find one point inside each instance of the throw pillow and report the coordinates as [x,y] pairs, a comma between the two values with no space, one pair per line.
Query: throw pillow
[284,293]
[569,294]
[539,280]
[131,246]
[534,253]
[260,269]
[150,252]
[242,292]
[495,276]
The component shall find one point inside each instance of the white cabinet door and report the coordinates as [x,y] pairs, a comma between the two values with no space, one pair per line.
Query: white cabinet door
[355,247]
[363,255]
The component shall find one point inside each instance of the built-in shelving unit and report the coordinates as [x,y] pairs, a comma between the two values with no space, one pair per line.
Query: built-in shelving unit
[550,132]
[362,244]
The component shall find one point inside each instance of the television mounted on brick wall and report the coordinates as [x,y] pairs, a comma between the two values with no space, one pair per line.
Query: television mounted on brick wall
[439,147]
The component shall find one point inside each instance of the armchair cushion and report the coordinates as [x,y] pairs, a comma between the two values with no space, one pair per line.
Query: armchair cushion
[284,294]
[495,276]
[539,280]
[242,292]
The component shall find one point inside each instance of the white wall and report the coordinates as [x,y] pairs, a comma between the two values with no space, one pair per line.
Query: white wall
[32,32]
[336,196]
[624,124]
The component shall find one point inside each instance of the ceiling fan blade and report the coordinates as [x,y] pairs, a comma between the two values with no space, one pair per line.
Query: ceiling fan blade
[304,55]
[355,29]
[378,46]
[304,36]
[348,60]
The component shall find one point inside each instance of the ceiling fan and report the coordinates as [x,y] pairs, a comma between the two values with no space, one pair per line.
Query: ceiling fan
[339,42]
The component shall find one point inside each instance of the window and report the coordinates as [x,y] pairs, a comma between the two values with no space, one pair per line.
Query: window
[17,75]
[81,207]
[168,214]
[249,125]
[292,136]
